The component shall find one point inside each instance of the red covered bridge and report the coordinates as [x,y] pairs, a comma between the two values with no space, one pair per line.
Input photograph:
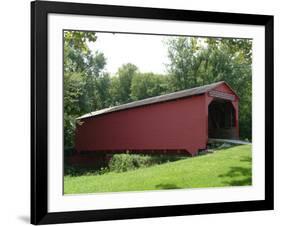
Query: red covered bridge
[180,122]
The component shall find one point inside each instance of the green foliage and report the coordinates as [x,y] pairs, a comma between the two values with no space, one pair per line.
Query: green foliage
[126,162]
[229,167]
[102,89]
[118,163]
[146,85]
[79,39]
[73,83]
[121,84]
[86,85]
[184,63]
[75,171]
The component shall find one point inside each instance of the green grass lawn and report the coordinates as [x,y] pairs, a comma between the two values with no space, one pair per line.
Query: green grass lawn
[226,167]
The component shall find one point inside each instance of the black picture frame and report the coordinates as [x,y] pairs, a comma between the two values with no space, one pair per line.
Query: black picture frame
[39,112]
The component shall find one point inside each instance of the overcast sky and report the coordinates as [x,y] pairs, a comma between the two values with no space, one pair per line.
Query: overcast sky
[147,52]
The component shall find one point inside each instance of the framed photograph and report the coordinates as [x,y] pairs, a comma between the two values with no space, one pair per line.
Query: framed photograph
[145,112]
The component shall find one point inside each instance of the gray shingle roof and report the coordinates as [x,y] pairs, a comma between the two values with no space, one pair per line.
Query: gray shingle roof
[157,99]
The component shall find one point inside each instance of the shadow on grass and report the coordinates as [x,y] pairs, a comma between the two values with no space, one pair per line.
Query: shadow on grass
[233,176]
[246,159]
[166,186]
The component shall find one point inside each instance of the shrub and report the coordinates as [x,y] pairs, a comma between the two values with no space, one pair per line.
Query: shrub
[125,162]
[120,163]
[74,170]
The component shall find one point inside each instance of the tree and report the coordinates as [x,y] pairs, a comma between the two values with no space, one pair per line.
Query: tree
[146,85]
[78,40]
[184,64]
[84,80]
[231,60]
[103,91]
[121,84]
[73,83]
[199,61]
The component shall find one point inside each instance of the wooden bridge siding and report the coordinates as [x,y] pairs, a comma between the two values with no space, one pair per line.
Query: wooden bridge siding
[173,125]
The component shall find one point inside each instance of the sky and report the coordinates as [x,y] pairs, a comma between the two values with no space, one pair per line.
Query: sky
[148,52]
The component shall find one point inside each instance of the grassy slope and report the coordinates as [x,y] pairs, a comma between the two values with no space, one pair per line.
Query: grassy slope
[229,167]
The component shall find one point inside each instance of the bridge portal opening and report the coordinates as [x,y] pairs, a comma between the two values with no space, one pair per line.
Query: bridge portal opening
[221,120]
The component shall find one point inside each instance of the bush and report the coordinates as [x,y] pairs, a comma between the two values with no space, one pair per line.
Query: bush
[68,151]
[126,162]
[120,163]
[73,171]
